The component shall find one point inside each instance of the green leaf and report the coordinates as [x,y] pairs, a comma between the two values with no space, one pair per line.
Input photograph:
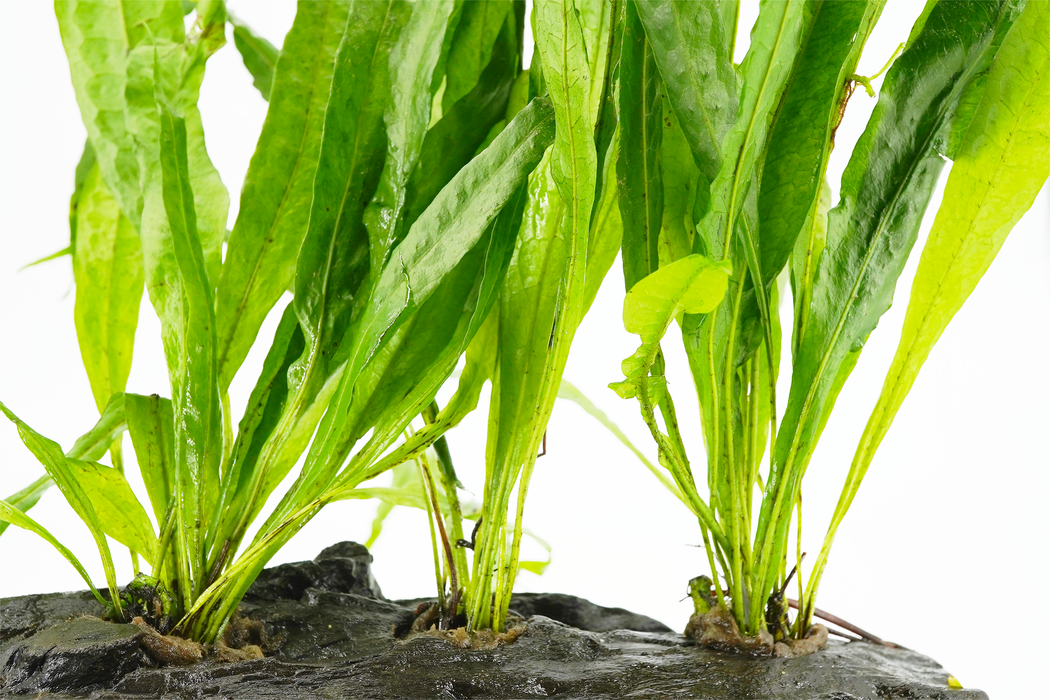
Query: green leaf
[405,375]
[1001,164]
[463,129]
[467,206]
[28,497]
[570,393]
[472,47]
[885,189]
[638,166]
[89,446]
[692,285]
[278,189]
[405,475]
[418,267]
[151,424]
[407,115]
[118,510]
[97,37]
[258,54]
[111,424]
[195,396]
[65,477]
[178,277]
[333,259]
[689,45]
[682,186]
[107,267]
[85,165]
[12,514]
[775,41]
[239,506]
[802,137]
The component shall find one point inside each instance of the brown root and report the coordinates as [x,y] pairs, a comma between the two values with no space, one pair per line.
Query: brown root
[716,629]
[243,640]
[427,623]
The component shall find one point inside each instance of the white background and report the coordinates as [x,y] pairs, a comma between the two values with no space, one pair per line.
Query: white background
[943,550]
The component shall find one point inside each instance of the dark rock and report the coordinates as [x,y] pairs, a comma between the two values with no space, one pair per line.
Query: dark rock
[345,567]
[582,614]
[23,616]
[338,643]
[72,656]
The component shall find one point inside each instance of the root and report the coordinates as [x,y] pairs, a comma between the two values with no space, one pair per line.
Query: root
[426,623]
[716,629]
[243,640]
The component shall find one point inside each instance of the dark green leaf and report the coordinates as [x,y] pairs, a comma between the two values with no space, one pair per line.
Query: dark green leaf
[802,137]
[407,115]
[638,166]
[885,190]
[689,44]
[472,47]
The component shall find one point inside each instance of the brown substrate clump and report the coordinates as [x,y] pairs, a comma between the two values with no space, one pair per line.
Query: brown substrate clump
[716,629]
[243,640]
[426,622]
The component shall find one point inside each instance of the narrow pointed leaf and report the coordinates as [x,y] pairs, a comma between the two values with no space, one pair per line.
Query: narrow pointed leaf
[472,47]
[151,424]
[802,137]
[407,115]
[107,267]
[12,514]
[258,54]
[58,468]
[885,190]
[689,44]
[278,189]
[638,166]
[119,512]
[1002,162]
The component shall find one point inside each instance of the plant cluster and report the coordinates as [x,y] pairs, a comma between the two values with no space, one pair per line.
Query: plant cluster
[428,201]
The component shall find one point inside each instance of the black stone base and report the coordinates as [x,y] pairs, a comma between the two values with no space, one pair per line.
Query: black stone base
[335,638]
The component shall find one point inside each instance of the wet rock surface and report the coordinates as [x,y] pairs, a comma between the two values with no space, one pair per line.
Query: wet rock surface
[334,631]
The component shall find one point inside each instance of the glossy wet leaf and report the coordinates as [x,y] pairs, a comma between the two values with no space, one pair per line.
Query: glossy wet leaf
[407,115]
[462,130]
[688,40]
[151,424]
[885,189]
[419,265]
[801,140]
[1002,162]
[472,47]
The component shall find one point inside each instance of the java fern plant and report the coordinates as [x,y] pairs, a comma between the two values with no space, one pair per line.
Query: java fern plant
[386,194]
[424,199]
[723,187]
